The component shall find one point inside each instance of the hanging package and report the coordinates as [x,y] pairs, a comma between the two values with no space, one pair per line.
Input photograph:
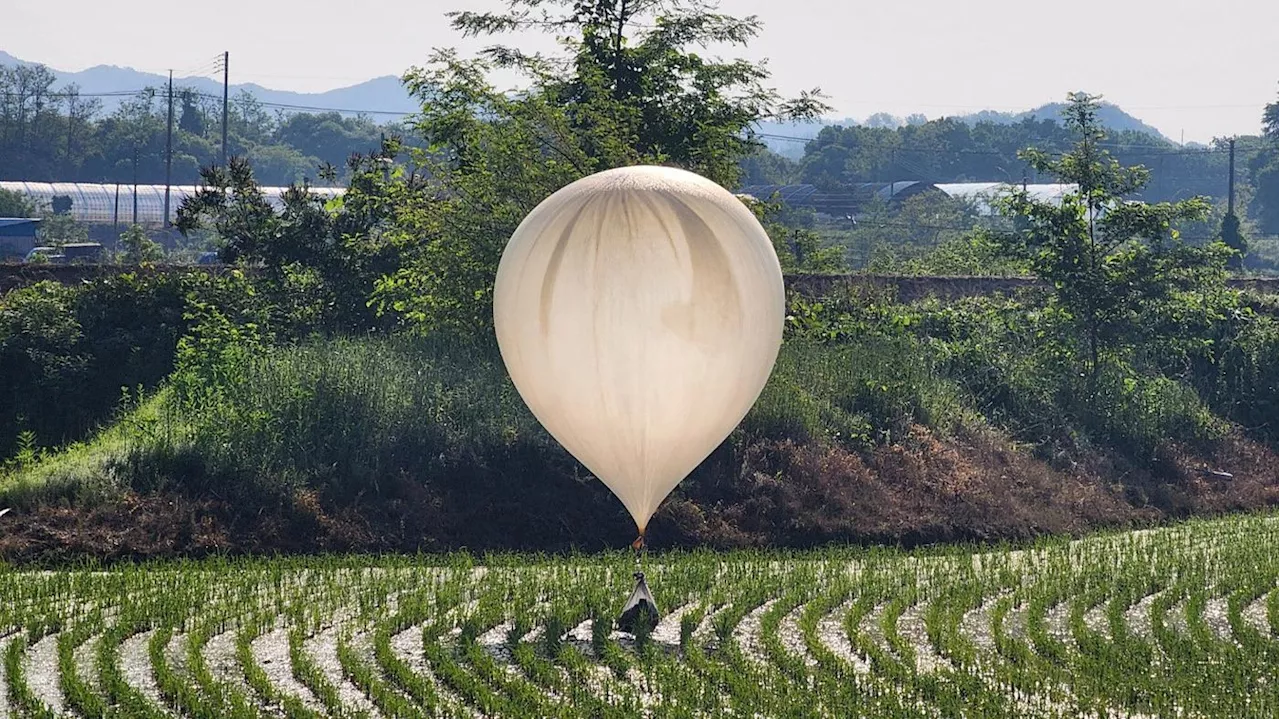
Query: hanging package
[640,608]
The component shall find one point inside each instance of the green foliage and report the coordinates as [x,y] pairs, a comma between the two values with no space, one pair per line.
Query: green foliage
[1271,120]
[58,229]
[763,167]
[136,248]
[799,247]
[15,204]
[973,255]
[1234,240]
[1264,175]
[321,258]
[859,393]
[630,88]
[67,350]
[1113,262]
[1266,201]
[346,414]
[951,149]
[893,238]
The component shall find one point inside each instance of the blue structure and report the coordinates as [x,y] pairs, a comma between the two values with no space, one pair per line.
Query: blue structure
[17,236]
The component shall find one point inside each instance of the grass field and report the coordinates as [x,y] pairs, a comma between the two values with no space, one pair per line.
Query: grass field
[1178,621]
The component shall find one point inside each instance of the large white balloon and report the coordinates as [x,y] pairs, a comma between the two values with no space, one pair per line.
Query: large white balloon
[639,312]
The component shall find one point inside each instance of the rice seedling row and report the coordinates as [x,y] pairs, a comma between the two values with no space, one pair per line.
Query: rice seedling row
[1178,621]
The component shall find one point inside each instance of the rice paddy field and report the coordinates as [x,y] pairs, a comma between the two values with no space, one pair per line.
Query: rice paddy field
[1170,622]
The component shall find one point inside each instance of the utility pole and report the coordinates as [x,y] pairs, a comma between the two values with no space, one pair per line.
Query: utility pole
[71,122]
[135,183]
[168,152]
[226,57]
[1231,176]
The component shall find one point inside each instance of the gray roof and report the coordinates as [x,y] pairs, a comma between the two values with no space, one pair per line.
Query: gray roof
[842,201]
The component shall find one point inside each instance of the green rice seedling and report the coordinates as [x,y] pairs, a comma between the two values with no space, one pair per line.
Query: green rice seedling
[1165,622]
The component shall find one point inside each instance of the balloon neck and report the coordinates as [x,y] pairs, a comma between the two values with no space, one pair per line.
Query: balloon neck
[638,547]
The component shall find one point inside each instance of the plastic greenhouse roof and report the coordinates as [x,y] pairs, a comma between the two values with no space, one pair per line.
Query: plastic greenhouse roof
[982,193]
[97,203]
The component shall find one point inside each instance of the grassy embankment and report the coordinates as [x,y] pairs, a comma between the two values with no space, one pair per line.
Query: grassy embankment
[956,422]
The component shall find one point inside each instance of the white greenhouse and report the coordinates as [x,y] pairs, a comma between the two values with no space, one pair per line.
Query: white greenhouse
[114,204]
[983,194]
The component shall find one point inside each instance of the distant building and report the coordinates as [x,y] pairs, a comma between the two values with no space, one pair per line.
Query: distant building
[853,199]
[983,194]
[111,204]
[842,202]
[17,236]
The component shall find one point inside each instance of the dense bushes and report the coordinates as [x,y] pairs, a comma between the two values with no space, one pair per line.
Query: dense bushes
[68,352]
[407,442]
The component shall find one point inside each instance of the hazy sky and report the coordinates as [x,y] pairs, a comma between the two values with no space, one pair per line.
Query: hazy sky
[1203,68]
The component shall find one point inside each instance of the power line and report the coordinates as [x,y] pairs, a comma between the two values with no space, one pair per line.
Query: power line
[65,93]
[1171,149]
[1141,150]
[316,108]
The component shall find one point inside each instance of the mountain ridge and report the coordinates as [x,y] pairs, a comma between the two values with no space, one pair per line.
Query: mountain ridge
[384,98]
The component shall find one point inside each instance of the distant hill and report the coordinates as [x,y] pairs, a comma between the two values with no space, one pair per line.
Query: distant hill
[388,97]
[382,94]
[1112,116]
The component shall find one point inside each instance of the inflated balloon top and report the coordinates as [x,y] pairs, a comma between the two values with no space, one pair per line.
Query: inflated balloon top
[639,312]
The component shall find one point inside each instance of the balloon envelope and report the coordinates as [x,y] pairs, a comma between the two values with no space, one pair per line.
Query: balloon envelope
[639,312]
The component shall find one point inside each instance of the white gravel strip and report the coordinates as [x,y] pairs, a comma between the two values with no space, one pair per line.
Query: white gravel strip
[667,633]
[832,636]
[407,646]
[135,668]
[1015,622]
[1057,623]
[271,653]
[706,628]
[976,624]
[1095,620]
[42,673]
[911,627]
[1255,615]
[83,657]
[870,628]
[1215,615]
[580,638]
[220,657]
[494,642]
[792,637]
[323,650]
[1137,618]
[747,633]
[1176,618]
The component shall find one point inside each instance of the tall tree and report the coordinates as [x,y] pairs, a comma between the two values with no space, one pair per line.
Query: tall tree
[1271,121]
[1113,262]
[632,86]
[1264,174]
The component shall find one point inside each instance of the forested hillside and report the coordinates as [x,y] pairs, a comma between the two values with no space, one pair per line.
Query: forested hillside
[50,133]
